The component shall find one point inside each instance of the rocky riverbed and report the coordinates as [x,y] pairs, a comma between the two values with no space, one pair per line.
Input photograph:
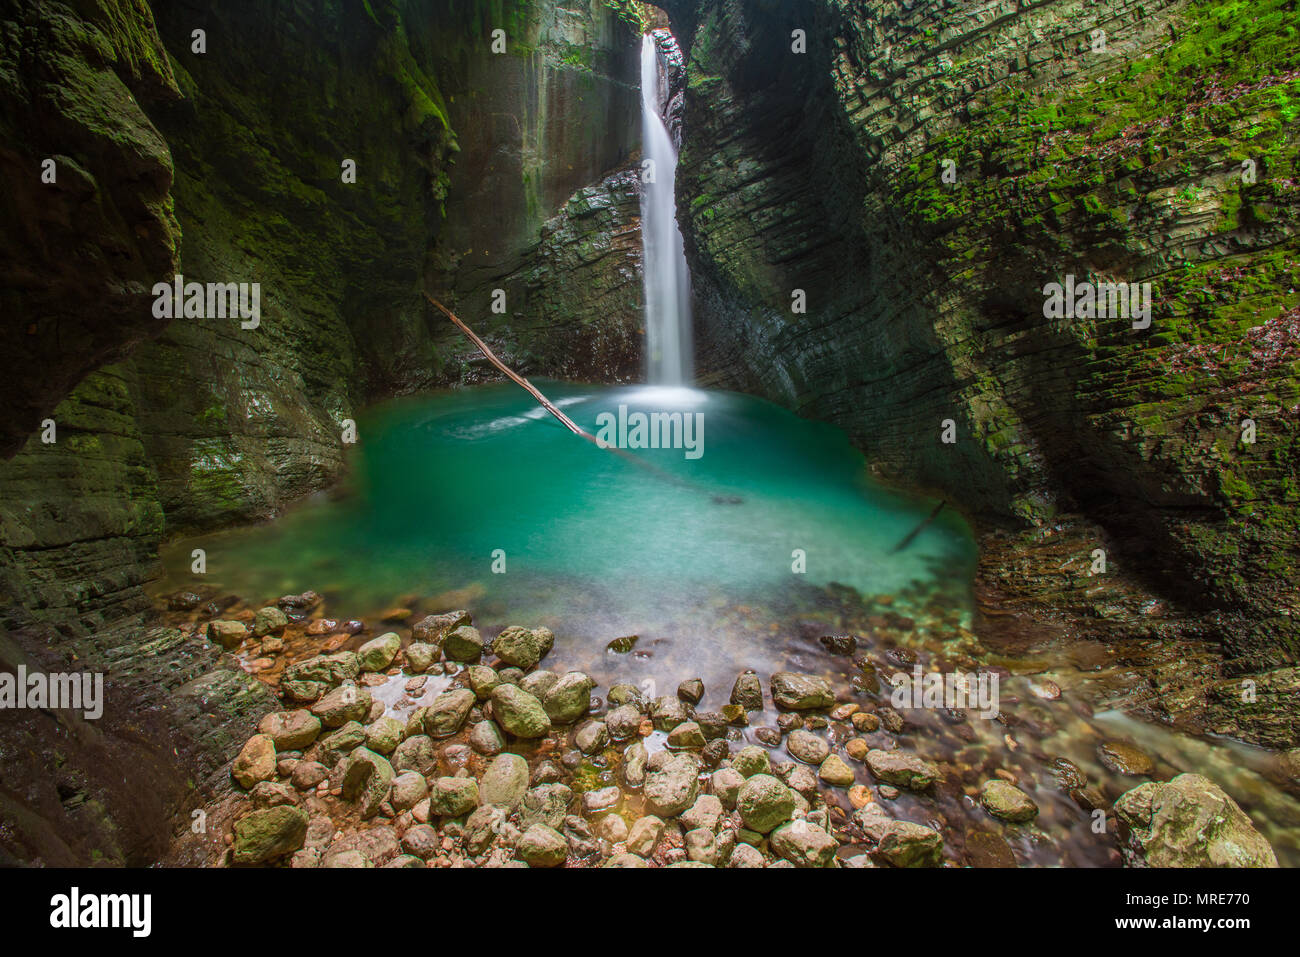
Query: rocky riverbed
[445,745]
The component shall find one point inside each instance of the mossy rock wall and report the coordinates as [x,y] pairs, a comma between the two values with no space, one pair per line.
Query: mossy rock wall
[78,252]
[822,171]
[530,210]
[210,424]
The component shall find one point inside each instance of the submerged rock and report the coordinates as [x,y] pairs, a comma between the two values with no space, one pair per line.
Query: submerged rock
[839,644]
[621,646]
[835,772]
[1189,822]
[184,601]
[299,604]
[901,770]
[1007,802]
[807,747]
[1124,758]
[865,722]
[799,692]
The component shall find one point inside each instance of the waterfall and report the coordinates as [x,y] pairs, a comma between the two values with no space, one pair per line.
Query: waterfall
[667,281]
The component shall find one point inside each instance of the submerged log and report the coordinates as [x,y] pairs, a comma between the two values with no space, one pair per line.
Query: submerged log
[917,531]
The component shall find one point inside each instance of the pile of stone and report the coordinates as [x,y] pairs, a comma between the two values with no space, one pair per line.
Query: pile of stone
[515,765]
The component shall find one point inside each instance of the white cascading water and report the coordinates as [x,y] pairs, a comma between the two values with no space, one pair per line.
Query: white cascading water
[667,281]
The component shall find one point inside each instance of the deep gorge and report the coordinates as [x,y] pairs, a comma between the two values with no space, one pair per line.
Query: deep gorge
[820,171]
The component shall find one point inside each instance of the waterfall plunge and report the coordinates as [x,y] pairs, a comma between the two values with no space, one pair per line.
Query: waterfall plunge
[667,281]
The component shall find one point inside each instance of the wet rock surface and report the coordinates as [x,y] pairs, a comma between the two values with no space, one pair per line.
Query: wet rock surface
[1189,822]
[514,785]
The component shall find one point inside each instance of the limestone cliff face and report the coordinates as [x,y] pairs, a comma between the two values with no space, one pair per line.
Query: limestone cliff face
[1161,152]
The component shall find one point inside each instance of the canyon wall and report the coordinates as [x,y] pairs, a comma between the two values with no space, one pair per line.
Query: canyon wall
[220,155]
[1113,141]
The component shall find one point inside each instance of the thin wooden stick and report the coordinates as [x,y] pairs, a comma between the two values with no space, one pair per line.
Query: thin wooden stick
[514,377]
[917,531]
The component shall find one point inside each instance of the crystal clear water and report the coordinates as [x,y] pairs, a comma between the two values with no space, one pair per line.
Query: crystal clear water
[667,278]
[593,545]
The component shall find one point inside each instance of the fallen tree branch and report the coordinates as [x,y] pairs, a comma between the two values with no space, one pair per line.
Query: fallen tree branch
[568,422]
[512,375]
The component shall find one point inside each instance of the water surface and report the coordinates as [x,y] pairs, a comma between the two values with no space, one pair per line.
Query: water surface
[447,491]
